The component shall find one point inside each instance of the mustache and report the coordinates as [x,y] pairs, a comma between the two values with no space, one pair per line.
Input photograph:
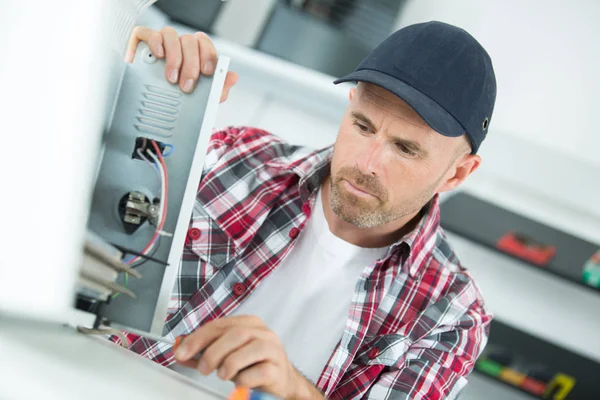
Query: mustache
[368,183]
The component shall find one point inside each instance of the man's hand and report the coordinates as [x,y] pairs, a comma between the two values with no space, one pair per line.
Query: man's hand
[186,56]
[244,350]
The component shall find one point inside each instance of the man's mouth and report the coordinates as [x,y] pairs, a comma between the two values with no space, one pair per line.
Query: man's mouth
[357,190]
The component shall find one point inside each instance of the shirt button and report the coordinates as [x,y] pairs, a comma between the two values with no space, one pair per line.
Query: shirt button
[239,289]
[306,209]
[194,234]
[373,353]
[294,232]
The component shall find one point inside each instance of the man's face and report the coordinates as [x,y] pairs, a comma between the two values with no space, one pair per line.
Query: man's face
[388,163]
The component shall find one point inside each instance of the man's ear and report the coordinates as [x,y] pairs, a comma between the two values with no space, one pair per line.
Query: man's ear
[352,91]
[464,167]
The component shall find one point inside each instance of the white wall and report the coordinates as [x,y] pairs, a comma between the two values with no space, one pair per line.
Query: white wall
[242,21]
[546,54]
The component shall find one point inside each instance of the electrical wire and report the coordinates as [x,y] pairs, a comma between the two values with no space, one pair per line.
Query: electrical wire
[126,250]
[140,257]
[143,157]
[154,239]
[171,149]
[125,284]
[159,164]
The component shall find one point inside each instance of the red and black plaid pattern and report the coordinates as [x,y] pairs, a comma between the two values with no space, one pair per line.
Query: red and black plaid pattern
[417,321]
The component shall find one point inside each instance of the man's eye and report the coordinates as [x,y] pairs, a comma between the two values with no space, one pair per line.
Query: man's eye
[362,127]
[405,150]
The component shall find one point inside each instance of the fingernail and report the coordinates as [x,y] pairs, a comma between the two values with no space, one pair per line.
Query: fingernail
[188,85]
[208,67]
[173,76]
[160,50]
[203,367]
[222,373]
[181,351]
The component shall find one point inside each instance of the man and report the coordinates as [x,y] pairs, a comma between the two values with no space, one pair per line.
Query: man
[325,274]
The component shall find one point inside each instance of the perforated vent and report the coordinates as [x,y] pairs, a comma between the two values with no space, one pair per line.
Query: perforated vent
[158,111]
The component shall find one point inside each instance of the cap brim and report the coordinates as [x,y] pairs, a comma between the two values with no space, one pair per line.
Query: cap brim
[432,113]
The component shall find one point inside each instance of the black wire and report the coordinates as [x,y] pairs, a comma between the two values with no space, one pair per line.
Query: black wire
[125,250]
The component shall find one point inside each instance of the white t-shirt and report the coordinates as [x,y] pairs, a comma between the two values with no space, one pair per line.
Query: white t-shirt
[306,299]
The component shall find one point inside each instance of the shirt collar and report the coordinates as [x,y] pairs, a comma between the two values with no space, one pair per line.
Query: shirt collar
[421,239]
[313,168]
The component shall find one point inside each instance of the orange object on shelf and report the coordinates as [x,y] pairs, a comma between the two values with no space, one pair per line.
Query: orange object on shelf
[526,248]
[511,376]
[534,386]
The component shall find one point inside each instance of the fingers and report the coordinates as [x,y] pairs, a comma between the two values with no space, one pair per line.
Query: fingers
[187,56]
[190,69]
[139,34]
[241,349]
[206,334]
[193,364]
[216,352]
[254,352]
[258,376]
[155,42]
[173,53]
[230,80]
[208,53]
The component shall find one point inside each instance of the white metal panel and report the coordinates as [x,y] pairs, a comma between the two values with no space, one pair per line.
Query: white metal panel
[56,82]
[49,361]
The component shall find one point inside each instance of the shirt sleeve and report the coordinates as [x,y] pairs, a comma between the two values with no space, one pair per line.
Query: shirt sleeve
[436,366]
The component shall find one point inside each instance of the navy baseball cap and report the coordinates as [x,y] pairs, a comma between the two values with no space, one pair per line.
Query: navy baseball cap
[442,72]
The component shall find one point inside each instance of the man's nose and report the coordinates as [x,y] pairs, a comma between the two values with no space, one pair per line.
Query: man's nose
[371,157]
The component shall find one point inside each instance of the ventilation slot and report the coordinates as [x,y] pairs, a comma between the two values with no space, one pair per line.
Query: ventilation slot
[158,112]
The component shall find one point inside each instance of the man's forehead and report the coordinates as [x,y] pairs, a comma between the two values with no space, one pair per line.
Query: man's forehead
[388,101]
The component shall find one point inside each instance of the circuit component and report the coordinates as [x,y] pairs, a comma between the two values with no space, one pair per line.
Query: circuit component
[135,209]
[144,145]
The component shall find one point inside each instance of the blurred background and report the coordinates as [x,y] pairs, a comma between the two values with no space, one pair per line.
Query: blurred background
[540,175]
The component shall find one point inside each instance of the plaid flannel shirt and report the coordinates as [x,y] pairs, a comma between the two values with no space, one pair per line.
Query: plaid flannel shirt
[417,322]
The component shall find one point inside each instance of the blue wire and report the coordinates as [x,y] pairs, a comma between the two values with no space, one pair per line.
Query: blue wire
[170,146]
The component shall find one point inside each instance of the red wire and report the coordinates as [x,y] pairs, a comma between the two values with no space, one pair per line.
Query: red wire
[164,195]
[164,199]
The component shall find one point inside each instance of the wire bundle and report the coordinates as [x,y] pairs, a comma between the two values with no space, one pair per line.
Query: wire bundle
[159,164]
